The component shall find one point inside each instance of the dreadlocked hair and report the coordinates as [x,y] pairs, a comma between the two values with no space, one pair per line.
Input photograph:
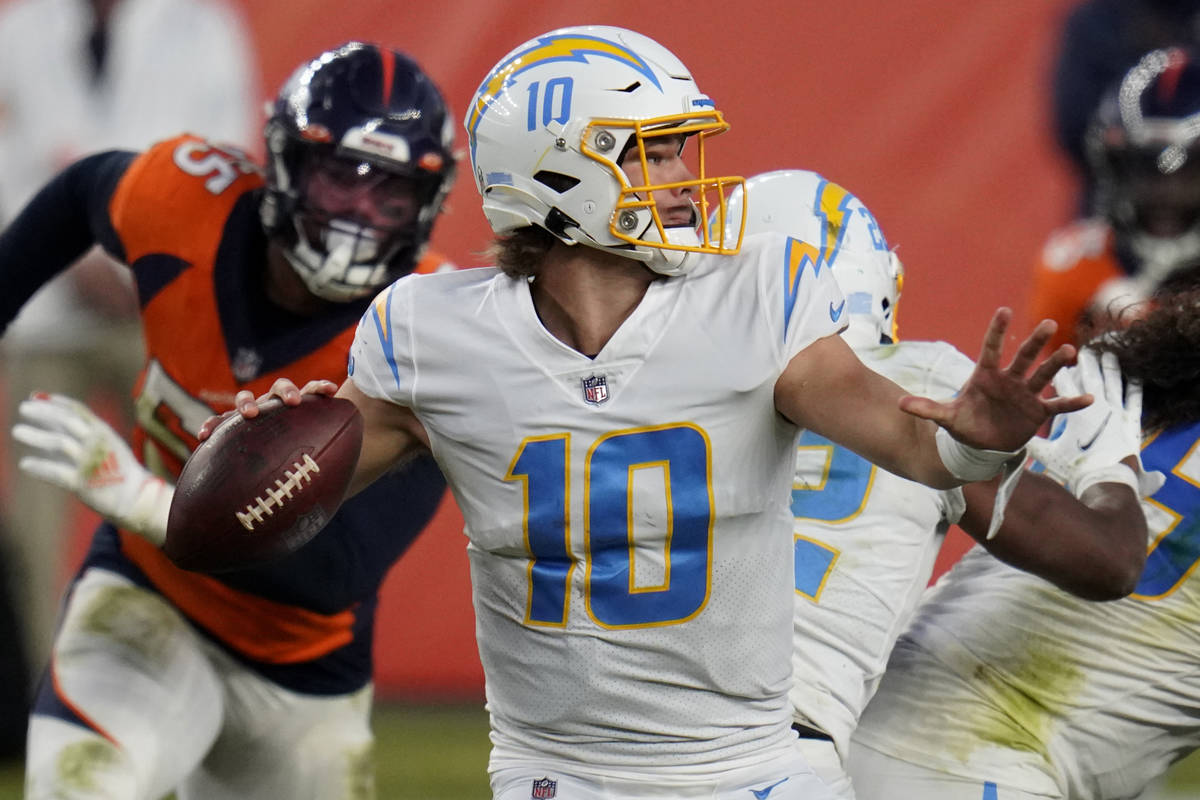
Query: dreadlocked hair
[1162,351]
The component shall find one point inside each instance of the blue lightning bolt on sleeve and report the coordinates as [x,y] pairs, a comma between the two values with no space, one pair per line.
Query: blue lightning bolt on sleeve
[379,363]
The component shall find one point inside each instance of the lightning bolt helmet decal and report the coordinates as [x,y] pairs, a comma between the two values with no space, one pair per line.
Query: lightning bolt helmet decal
[827,228]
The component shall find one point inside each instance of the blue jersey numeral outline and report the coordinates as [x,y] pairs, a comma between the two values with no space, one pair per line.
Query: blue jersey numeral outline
[839,496]
[1175,551]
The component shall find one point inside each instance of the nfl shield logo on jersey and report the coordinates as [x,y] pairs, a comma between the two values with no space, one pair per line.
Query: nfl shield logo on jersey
[246,364]
[544,789]
[595,389]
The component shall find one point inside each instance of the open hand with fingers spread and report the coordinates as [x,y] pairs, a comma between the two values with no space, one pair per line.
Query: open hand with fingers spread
[1002,408]
[72,448]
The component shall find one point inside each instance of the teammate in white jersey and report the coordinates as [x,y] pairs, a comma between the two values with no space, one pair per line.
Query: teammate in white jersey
[865,539]
[1007,688]
[616,410]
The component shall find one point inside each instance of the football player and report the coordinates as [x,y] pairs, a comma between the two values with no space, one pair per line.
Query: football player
[1005,687]
[616,407]
[865,539]
[1143,151]
[256,683]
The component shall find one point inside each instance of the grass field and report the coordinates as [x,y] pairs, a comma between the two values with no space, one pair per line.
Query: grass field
[423,753]
[432,752]
[440,753]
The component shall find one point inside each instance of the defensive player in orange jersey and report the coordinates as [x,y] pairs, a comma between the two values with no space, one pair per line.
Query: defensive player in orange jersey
[257,683]
[1145,158]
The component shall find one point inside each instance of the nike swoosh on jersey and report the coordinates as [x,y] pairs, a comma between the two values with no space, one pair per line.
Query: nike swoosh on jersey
[761,794]
[836,313]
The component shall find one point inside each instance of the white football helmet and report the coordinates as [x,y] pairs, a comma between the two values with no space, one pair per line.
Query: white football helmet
[548,128]
[843,235]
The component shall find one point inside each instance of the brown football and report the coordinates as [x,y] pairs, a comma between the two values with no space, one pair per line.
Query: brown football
[258,489]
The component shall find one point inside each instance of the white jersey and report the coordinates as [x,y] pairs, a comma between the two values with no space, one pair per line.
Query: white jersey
[865,544]
[627,515]
[1005,678]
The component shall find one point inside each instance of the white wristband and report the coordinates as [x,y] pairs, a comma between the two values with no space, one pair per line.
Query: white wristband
[1116,473]
[150,510]
[1011,474]
[970,464]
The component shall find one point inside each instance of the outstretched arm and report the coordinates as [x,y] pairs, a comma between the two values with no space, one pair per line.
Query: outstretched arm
[826,389]
[1093,546]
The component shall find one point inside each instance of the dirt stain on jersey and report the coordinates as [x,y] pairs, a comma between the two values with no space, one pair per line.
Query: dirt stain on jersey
[133,617]
[82,763]
[360,773]
[1027,694]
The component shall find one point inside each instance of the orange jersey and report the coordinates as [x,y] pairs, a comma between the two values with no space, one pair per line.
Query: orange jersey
[185,218]
[1074,263]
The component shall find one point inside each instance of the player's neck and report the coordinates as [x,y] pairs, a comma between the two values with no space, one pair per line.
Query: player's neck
[583,295]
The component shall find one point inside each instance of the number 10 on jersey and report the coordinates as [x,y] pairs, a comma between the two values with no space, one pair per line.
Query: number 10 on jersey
[681,456]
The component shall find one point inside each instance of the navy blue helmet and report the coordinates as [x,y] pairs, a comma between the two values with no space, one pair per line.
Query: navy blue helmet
[359,160]
[1144,150]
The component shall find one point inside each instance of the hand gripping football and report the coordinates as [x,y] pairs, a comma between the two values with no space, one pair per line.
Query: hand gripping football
[258,489]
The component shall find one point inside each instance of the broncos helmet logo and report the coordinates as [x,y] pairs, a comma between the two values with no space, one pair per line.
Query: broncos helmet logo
[547,49]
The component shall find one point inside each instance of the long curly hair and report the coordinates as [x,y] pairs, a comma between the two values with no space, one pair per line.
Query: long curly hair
[1162,350]
[520,253]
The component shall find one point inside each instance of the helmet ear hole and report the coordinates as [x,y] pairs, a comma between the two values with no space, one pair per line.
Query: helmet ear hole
[556,180]
[557,223]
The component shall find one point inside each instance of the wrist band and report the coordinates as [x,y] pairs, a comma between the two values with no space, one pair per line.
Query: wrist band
[1115,473]
[151,507]
[1010,474]
[970,464]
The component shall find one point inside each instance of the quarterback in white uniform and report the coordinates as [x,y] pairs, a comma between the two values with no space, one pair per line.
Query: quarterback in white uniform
[865,539]
[1007,687]
[621,510]
[616,411]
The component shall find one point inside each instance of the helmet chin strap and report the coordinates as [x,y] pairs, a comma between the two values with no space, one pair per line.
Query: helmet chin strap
[673,263]
[662,261]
